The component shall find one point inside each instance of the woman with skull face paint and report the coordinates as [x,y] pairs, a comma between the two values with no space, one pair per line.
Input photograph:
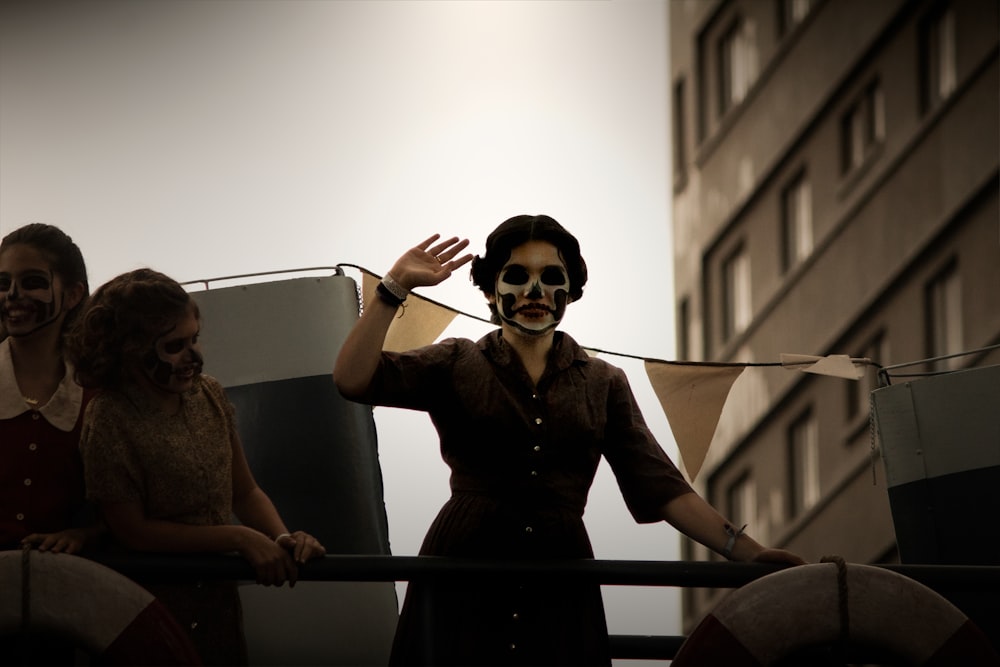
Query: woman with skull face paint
[524,416]
[43,285]
[163,457]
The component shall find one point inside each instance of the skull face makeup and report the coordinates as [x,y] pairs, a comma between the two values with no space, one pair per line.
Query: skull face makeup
[175,360]
[31,295]
[532,288]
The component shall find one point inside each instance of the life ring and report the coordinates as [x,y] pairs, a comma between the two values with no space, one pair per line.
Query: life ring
[827,604]
[104,612]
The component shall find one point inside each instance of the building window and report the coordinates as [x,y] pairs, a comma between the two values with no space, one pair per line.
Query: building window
[791,13]
[741,501]
[684,329]
[737,64]
[862,127]
[803,447]
[680,133]
[943,299]
[859,393]
[937,56]
[796,221]
[736,294]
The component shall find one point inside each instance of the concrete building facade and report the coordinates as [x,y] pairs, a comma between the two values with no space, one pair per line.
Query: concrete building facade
[835,192]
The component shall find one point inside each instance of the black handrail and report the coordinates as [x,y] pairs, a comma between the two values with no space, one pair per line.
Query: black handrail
[687,574]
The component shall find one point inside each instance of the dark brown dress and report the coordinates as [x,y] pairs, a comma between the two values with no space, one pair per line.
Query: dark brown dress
[522,459]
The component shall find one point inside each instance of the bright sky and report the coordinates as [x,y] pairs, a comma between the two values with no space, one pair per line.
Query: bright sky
[215,138]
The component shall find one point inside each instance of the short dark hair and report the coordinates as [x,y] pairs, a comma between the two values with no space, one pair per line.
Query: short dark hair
[64,255]
[521,229]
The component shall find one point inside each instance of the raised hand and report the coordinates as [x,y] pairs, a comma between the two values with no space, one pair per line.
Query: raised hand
[429,263]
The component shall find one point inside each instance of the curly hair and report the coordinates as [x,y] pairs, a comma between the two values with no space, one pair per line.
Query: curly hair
[516,231]
[121,323]
[61,252]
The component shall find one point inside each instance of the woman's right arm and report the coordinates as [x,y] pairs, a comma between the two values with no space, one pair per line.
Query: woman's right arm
[423,265]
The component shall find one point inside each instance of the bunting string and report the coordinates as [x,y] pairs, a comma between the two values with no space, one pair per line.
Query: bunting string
[691,394]
[799,361]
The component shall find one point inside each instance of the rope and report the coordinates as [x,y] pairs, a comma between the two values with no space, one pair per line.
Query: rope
[872,436]
[842,607]
[720,364]
[25,603]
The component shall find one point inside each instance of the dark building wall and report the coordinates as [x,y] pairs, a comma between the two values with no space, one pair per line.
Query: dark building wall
[923,199]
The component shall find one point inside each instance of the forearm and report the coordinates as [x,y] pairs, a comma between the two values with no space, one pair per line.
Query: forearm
[172,537]
[359,357]
[256,510]
[694,517]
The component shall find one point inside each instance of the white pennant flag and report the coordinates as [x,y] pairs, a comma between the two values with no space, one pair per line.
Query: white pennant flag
[834,365]
[692,397]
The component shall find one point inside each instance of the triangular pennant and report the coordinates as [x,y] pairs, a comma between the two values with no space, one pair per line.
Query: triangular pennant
[834,365]
[692,397]
[419,322]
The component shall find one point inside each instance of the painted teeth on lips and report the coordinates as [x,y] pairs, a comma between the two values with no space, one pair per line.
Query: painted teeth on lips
[17,313]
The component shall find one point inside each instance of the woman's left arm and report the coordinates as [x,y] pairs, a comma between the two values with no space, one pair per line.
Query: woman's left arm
[692,515]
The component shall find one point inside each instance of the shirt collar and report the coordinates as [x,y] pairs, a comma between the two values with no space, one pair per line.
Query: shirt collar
[61,411]
[564,353]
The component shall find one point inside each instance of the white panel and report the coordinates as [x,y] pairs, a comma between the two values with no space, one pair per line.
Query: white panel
[277,330]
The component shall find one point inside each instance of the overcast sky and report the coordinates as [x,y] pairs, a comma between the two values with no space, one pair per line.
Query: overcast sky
[215,138]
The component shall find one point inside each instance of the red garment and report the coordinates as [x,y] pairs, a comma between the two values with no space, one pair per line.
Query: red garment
[522,460]
[41,472]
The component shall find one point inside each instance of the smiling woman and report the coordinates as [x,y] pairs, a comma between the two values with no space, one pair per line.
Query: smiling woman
[43,285]
[163,459]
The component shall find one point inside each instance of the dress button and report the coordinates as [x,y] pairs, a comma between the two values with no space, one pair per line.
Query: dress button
[32,447]
[513,647]
[535,396]
[538,420]
[534,473]
[537,448]
[516,616]
[27,482]
[528,529]
[20,517]
[34,415]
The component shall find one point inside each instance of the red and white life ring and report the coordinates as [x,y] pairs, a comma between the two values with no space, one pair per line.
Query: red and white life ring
[826,603]
[101,610]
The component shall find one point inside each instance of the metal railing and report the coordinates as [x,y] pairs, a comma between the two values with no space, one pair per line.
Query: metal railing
[161,568]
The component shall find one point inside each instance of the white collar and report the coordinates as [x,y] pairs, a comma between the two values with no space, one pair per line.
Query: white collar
[62,409]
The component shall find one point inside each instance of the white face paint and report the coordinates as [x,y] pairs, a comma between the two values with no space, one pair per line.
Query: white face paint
[533,288]
[175,360]
[31,296]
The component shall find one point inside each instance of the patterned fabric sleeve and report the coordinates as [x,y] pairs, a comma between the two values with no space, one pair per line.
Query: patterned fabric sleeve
[110,470]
